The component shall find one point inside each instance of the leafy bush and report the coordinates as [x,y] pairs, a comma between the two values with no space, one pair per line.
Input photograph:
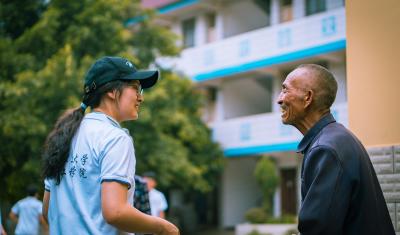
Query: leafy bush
[256,215]
[284,219]
[268,179]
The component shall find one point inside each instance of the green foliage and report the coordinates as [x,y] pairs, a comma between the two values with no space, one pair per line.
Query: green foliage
[171,139]
[16,16]
[41,75]
[256,215]
[267,177]
[284,219]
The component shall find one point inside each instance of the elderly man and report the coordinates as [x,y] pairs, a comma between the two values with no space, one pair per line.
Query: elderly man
[339,188]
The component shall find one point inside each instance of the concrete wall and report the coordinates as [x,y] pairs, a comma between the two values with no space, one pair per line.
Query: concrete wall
[339,71]
[239,190]
[373,51]
[386,161]
[243,97]
[237,18]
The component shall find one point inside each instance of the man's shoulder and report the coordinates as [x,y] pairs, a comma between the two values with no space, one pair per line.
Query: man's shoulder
[33,201]
[154,192]
[333,133]
[338,139]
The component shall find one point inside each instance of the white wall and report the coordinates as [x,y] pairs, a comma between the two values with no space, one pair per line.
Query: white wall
[244,97]
[200,30]
[241,17]
[239,192]
[274,12]
[339,71]
[299,9]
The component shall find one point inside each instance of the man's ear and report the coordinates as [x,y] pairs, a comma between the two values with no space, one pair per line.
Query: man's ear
[308,98]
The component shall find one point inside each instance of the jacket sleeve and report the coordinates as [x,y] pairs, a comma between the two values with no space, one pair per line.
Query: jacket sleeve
[326,193]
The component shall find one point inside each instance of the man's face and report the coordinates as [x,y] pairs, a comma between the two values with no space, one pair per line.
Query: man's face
[151,183]
[291,99]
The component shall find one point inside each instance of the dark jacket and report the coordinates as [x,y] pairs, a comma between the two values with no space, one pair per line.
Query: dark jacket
[339,188]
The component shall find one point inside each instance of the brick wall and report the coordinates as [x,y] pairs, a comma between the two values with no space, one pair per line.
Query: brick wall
[386,161]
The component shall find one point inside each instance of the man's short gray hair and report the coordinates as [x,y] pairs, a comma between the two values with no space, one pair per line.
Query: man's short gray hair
[324,85]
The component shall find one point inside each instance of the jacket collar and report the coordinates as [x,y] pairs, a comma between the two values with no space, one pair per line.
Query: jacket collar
[310,135]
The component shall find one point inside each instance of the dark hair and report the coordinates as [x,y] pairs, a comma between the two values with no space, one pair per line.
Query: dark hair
[149,174]
[325,85]
[58,142]
[31,190]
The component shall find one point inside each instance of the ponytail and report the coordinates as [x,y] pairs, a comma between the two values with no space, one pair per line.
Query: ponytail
[58,143]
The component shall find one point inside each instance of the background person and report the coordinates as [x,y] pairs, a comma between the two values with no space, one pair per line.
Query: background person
[89,160]
[158,203]
[141,197]
[27,213]
[339,188]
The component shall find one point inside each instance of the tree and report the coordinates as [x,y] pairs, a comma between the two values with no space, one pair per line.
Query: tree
[44,78]
[268,179]
[173,140]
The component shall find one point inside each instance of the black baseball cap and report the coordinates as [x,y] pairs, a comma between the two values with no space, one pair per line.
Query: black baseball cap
[110,68]
[149,174]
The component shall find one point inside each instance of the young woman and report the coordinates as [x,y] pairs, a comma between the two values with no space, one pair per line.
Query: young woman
[89,160]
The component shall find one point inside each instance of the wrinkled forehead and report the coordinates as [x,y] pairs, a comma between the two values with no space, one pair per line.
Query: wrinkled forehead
[299,78]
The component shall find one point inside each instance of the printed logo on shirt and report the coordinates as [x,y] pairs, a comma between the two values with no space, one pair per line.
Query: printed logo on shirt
[78,169]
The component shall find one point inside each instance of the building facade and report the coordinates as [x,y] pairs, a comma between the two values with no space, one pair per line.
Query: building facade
[238,52]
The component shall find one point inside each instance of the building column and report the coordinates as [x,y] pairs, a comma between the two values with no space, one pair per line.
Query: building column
[373,83]
[275,12]
[200,30]
[299,9]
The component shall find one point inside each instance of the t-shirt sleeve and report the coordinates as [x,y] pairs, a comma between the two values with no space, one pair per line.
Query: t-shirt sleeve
[15,208]
[47,184]
[164,204]
[39,208]
[118,161]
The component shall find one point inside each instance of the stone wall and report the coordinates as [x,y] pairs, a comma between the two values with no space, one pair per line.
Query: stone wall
[386,161]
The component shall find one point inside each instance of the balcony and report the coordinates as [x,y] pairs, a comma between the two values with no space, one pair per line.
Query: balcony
[305,37]
[262,133]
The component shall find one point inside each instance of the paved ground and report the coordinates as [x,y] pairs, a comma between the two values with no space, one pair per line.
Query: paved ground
[215,232]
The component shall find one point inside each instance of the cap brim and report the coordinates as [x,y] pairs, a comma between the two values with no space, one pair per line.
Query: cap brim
[147,78]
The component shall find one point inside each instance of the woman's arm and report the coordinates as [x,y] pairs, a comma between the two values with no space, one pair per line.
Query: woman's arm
[119,213]
[13,217]
[45,208]
[2,231]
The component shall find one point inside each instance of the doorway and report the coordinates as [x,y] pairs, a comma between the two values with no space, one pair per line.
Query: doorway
[288,191]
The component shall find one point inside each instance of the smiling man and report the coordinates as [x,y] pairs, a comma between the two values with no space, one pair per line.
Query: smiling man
[339,188]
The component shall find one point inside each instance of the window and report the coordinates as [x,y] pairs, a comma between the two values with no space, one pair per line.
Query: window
[315,6]
[286,11]
[265,6]
[188,27]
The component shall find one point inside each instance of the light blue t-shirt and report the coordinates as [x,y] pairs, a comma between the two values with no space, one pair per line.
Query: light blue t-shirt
[158,203]
[100,151]
[28,211]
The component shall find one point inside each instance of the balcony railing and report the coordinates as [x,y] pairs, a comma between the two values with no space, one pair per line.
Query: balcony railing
[262,133]
[300,38]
